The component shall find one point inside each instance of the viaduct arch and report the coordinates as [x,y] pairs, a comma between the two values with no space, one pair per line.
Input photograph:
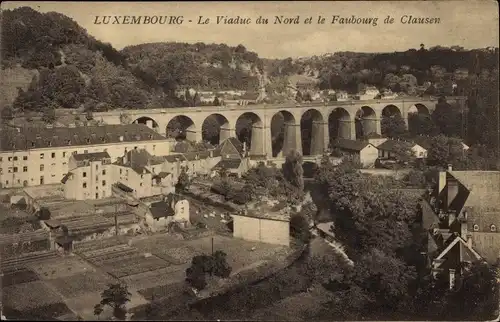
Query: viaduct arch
[306,128]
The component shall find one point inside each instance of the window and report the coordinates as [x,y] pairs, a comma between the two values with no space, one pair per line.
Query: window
[154,147]
[84,184]
[18,181]
[10,159]
[142,176]
[42,180]
[85,174]
[53,155]
[41,167]
[120,171]
[135,148]
[85,151]
[41,155]
[126,172]
[7,182]
[475,227]
[15,169]
[64,163]
[96,166]
[24,158]
[493,228]
[64,154]
[103,172]
[1,159]
[75,152]
[15,158]
[25,169]
[103,183]
[141,184]
[96,178]
[53,164]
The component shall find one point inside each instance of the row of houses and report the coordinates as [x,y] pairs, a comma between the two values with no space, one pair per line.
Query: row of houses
[137,172]
[375,147]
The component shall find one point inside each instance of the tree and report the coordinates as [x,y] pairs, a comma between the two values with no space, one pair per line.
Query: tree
[444,151]
[221,267]
[447,119]
[393,126]
[420,124]
[115,296]
[299,228]
[49,115]
[183,181]
[293,171]
[298,97]
[7,113]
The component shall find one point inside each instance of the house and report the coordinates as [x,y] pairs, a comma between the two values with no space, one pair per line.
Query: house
[375,138]
[389,149]
[389,95]
[426,142]
[369,93]
[89,176]
[467,203]
[40,156]
[234,157]
[364,152]
[272,228]
[169,210]
[249,98]
[342,96]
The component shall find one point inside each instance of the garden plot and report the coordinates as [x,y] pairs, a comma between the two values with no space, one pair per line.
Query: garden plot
[138,265]
[86,246]
[63,267]
[21,262]
[79,284]
[164,276]
[240,253]
[177,255]
[29,295]
[18,277]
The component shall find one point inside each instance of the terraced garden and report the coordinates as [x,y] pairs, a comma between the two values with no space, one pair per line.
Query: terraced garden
[122,260]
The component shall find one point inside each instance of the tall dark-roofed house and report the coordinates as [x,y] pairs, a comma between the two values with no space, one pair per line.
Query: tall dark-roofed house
[462,226]
[89,176]
[234,157]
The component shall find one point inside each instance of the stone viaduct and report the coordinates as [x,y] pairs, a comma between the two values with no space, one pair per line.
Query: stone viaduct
[344,113]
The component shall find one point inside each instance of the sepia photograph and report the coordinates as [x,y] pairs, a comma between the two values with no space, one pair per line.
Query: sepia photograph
[250,160]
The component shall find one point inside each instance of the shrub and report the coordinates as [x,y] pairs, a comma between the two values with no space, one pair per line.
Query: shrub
[299,228]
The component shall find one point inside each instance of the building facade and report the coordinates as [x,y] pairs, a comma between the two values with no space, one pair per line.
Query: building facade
[262,228]
[38,156]
[363,151]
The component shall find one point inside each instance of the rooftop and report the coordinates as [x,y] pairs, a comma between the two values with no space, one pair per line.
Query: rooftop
[483,186]
[394,145]
[351,145]
[39,138]
[228,164]
[95,156]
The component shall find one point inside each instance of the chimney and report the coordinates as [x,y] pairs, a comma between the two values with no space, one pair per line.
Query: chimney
[452,192]
[452,278]
[450,168]
[451,218]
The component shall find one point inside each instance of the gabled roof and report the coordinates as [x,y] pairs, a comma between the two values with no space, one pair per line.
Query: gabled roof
[228,164]
[483,187]
[38,138]
[351,145]
[161,209]
[394,145]
[423,141]
[250,96]
[467,250]
[235,143]
[95,156]
[174,158]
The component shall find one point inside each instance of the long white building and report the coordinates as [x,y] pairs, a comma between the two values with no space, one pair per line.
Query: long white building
[36,156]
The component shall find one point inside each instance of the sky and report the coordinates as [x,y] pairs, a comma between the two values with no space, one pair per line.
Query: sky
[466,23]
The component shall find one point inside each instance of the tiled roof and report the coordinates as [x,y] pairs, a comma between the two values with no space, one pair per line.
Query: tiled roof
[163,174]
[174,157]
[234,142]
[161,209]
[351,145]
[38,138]
[94,156]
[484,189]
[394,145]
[228,164]
[423,141]
[250,96]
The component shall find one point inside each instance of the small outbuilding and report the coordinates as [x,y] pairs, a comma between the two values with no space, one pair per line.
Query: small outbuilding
[271,228]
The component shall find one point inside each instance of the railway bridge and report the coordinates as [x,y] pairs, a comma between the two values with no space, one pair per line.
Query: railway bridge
[339,115]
